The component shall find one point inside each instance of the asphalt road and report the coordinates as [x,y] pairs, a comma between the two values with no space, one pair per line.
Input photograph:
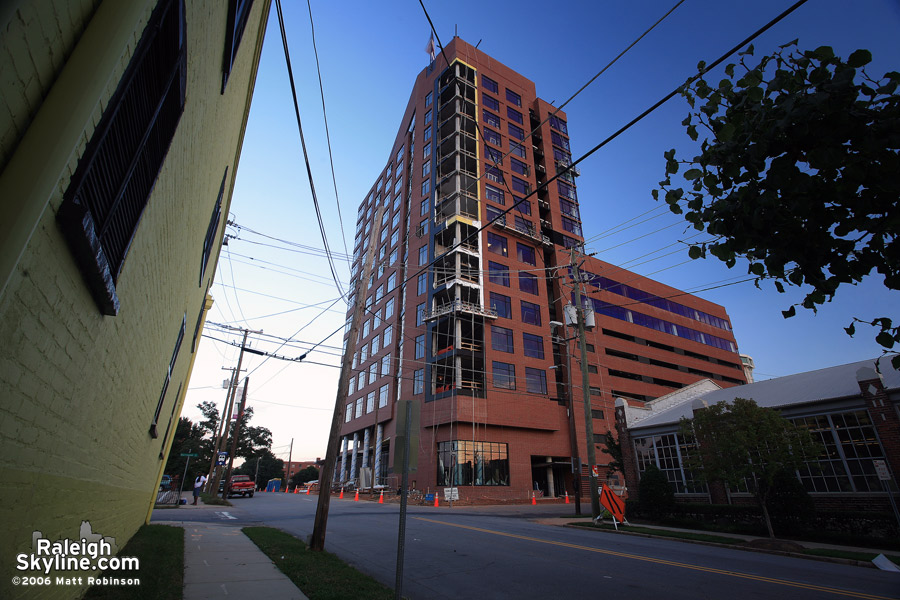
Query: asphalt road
[500,552]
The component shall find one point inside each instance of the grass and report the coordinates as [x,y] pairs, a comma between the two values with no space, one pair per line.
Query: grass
[213,499]
[682,535]
[160,552]
[319,575]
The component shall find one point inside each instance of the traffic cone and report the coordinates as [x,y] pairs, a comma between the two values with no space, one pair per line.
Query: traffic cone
[381,498]
[435,500]
[356,498]
[567,496]
[307,491]
[533,501]
[296,489]
[341,497]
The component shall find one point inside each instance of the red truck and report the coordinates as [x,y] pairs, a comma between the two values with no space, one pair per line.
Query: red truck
[241,484]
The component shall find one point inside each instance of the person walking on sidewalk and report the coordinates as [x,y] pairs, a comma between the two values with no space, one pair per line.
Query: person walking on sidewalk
[198,485]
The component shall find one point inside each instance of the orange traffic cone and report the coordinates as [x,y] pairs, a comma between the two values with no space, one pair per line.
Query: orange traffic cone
[341,497]
[567,496]
[533,501]
[381,498]
[356,498]
[435,500]
[296,489]
[307,491]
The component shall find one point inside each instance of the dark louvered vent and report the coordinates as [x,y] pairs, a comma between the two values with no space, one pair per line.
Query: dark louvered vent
[112,184]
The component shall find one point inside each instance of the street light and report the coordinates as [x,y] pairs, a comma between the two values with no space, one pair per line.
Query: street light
[576,457]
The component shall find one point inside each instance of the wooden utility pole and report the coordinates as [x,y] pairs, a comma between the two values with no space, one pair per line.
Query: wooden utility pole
[317,539]
[287,470]
[586,392]
[234,439]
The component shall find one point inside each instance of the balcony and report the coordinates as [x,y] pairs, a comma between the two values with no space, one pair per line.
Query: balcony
[459,307]
[527,231]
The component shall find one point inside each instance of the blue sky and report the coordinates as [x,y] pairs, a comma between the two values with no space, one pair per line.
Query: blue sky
[370,54]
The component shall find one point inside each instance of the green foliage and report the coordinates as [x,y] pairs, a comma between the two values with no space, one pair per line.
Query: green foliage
[614,449]
[308,474]
[655,494]
[270,467]
[251,440]
[188,439]
[798,173]
[744,444]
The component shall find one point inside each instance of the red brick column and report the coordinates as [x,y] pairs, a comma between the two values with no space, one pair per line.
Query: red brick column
[884,415]
[629,462]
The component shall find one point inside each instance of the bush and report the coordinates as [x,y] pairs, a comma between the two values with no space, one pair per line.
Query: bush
[655,495]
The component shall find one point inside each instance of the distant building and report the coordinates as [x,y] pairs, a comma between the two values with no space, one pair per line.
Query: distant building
[747,362]
[461,304]
[851,409]
[120,132]
[290,468]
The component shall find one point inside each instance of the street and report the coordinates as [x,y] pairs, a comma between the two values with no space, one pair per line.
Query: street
[500,552]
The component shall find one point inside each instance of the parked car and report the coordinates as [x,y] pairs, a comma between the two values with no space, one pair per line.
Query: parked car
[241,484]
[166,483]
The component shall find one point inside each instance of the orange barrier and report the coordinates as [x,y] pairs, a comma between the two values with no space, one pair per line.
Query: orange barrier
[356,498]
[381,498]
[341,497]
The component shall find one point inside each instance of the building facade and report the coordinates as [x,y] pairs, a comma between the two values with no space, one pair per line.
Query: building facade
[120,135]
[853,410]
[464,304]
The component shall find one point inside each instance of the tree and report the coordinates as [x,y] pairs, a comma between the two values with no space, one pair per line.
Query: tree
[655,494]
[614,449]
[270,467]
[799,173]
[744,444]
[188,439]
[310,473]
[251,440]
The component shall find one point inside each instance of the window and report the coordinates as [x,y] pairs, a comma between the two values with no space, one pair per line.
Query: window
[361,381]
[418,381]
[423,255]
[558,124]
[528,283]
[383,396]
[213,228]
[359,408]
[491,103]
[456,458]
[513,98]
[389,309]
[238,11]
[426,150]
[559,140]
[373,372]
[426,168]
[502,304]
[523,206]
[392,281]
[399,156]
[571,226]
[525,253]
[115,176]
[493,155]
[427,134]
[517,149]
[497,244]
[593,369]
[351,386]
[386,365]
[514,115]
[493,174]
[536,380]
[493,194]
[169,371]
[502,339]
[428,99]
[492,137]
[427,117]
[489,84]
[568,208]
[491,119]
[420,315]
[491,212]
[426,189]
[520,186]
[348,414]
[504,375]
[533,345]
[531,313]
[498,274]
[375,341]
[595,391]
[370,402]
[387,336]
[423,226]
[420,346]
[422,284]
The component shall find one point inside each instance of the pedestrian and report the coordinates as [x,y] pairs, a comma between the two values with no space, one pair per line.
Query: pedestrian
[198,485]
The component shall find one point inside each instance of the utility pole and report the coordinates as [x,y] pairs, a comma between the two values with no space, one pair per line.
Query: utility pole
[217,434]
[234,439]
[287,470]
[570,400]
[586,392]
[317,539]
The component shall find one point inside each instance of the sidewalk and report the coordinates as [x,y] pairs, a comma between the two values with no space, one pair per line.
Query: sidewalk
[221,562]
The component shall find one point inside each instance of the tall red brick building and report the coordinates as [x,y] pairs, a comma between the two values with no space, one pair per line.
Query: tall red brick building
[464,307]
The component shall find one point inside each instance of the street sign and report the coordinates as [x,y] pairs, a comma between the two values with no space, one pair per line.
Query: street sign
[195,454]
[595,469]
[882,470]
[222,459]
[451,494]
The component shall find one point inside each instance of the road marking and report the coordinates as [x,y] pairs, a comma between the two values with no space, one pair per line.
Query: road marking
[225,515]
[784,582]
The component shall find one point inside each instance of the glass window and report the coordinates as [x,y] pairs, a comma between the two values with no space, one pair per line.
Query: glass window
[498,274]
[392,281]
[423,255]
[525,253]
[375,341]
[387,336]
[422,284]
[426,168]
[497,244]
[571,226]
[559,140]
[389,309]
[365,329]
[520,186]
[489,84]
[359,407]
[517,149]
[386,365]
[558,124]
[531,313]
[383,396]
[491,119]
[515,131]
[467,463]
[373,372]
[489,102]
[528,283]
[536,380]
[351,387]
[427,116]
[492,137]
[370,402]
[504,375]
[502,304]
[426,189]
[493,194]
[493,174]
[428,99]
[514,115]
[420,315]
[361,381]
[523,206]
[348,414]
[426,150]
[420,346]
[493,155]
[491,212]
[513,98]
[418,381]
[427,135]
[533,345]
[502,339]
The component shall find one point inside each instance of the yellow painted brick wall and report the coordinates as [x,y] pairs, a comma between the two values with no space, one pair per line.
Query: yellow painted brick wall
[80,389]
